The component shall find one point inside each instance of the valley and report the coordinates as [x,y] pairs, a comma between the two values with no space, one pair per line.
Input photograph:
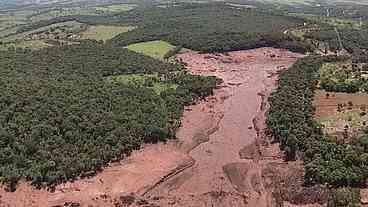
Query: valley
[125,103]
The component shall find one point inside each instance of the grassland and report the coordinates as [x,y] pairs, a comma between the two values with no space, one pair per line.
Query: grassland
[82,10]
[144,80]
[116,8]
[11,21]
[62,12]
[72,26]
[156,49]
[332,21]
[104,32]
[32,44]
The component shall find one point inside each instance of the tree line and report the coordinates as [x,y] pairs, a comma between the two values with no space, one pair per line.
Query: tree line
[291,123]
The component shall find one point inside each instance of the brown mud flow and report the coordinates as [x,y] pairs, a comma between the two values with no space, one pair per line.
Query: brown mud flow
[221,156]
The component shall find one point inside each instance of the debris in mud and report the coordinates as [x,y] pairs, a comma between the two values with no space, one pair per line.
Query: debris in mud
[250,152]
[287,184]
[134,201]
[69,204]
[263,101]
[256,183]
[200,137]
[234,84]
[227,61]
[237,173]
[126,200]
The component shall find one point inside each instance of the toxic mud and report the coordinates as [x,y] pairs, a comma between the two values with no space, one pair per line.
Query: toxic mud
[230,162]
[221,157]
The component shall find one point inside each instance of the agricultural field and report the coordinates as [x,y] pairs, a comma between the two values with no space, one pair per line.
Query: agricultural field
[327,160]
[10,22]
[341,115]
[156,49]
[104,32]
[116,8]
[332,21]
[54,31]
[341,107]
[81,10]
[46,15]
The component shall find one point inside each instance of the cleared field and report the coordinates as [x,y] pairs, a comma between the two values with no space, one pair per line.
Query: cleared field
[82,10]
[341,113]
[63,12]
[328,106]
[71,25]
[33,44]
[332,21]
[146,80]
[156,49]
[288,2]
[10,22]
[116,8]
[103,32]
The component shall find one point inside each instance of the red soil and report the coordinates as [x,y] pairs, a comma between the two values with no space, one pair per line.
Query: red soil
[327,105]
[204,166]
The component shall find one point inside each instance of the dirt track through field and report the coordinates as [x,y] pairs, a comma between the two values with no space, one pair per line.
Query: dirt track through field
[217,160]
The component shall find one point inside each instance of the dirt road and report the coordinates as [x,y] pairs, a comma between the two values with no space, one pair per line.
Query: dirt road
[221,157]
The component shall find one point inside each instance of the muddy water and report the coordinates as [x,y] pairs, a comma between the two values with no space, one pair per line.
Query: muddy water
[216,160]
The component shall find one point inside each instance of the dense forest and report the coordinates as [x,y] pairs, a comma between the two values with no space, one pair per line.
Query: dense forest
[61,118]
[212,28]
